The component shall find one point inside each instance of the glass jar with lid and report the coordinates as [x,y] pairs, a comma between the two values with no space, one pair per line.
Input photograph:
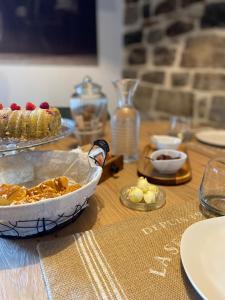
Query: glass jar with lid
[88,107]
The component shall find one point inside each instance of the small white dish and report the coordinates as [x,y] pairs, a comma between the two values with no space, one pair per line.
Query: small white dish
[142,206]
[166,141]
[168,166]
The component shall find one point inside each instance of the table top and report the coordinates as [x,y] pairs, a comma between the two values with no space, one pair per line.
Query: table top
[20,271]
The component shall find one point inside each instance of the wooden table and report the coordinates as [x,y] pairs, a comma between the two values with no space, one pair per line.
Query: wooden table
[20,274]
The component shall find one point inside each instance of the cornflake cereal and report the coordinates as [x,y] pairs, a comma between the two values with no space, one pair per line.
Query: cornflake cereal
[11,194]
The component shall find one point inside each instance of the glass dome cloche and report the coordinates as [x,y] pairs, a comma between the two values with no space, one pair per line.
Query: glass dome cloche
[88,107]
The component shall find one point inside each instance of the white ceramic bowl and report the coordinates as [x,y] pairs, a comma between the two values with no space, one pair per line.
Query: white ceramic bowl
[169,166]
[166,141]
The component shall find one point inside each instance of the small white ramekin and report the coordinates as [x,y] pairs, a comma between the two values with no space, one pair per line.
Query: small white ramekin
[169,166]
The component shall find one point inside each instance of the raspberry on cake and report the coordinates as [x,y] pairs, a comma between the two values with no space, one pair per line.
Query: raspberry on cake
[14,106]
[30,106]
[44,105]
[30,122]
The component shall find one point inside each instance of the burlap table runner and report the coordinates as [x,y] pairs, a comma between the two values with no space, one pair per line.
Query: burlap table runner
[134,259]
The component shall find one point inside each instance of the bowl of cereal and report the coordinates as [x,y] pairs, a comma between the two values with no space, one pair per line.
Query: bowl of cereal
[41,191]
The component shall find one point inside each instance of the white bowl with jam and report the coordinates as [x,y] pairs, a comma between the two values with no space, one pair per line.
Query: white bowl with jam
[168,161]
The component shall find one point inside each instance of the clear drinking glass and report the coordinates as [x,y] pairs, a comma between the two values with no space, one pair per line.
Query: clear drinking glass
[212,188]
[180,127]
[125,121]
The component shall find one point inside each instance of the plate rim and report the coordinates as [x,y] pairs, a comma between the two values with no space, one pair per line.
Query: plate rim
[201,139]
[188,233]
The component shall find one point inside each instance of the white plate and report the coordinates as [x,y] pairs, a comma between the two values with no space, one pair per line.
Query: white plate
[202,254]
[212,137]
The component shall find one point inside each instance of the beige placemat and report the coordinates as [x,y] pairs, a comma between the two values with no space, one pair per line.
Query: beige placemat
[135,259]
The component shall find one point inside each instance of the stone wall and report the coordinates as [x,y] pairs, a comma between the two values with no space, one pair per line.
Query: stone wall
[177,49]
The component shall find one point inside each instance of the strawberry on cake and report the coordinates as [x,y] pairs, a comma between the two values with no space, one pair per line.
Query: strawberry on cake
[29,122]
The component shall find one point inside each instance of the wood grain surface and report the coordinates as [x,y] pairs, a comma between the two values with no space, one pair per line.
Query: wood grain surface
[20,272]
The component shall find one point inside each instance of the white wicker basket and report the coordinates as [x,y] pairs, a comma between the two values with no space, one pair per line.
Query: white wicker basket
[34,219]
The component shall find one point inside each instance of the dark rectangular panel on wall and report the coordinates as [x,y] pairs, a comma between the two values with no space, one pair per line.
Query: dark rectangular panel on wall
[48,27]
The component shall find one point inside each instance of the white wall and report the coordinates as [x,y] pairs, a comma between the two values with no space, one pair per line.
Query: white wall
[21,83]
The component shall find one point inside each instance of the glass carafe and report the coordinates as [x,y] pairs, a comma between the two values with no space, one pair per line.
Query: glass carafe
[125,121]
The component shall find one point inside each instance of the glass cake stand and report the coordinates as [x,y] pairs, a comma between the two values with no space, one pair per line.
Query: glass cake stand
[12,145]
